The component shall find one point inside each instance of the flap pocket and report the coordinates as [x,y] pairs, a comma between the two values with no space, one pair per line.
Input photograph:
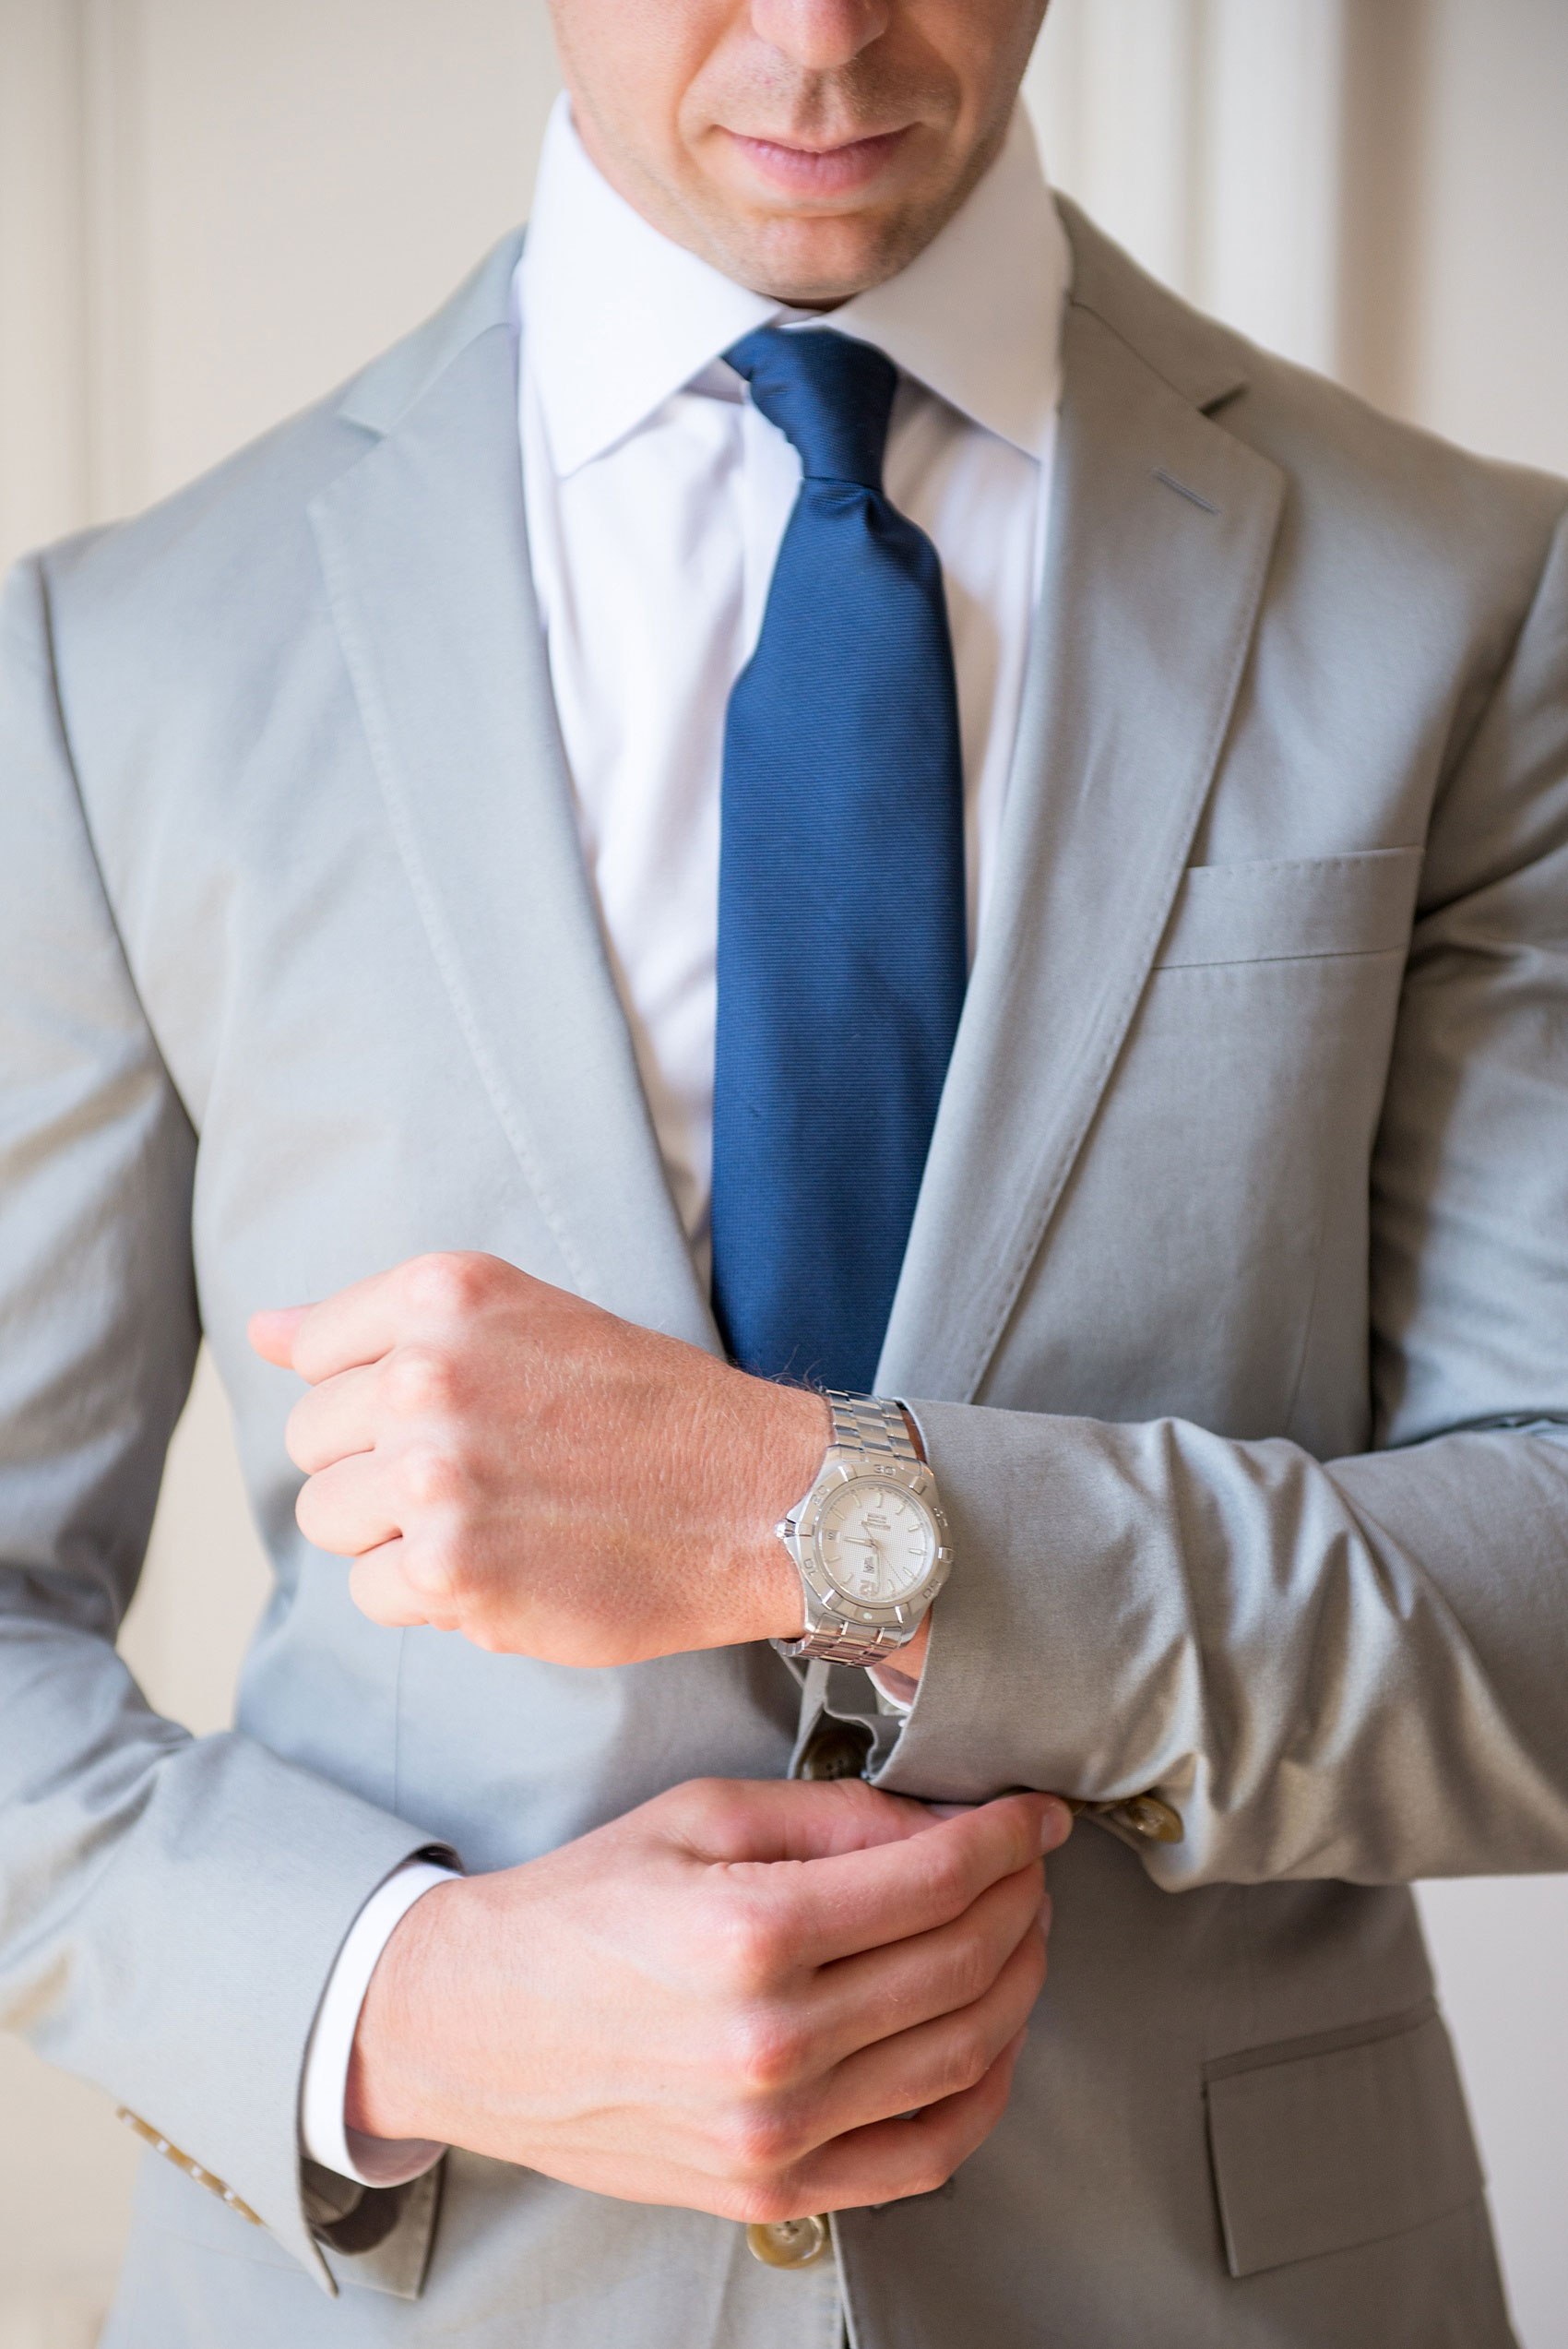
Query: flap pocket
[1345,2137]
[1277,911]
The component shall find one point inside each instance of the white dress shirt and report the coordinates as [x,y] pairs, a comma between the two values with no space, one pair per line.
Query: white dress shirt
[657,496]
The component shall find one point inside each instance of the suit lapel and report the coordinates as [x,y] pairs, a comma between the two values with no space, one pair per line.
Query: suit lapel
[426,555]
[1162,526]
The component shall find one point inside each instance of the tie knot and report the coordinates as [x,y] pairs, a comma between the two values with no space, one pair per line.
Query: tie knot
[831,396]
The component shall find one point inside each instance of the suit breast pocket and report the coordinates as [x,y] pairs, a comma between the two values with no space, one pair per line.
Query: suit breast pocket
[1285,910]
[1209,1257]
[1350,2137]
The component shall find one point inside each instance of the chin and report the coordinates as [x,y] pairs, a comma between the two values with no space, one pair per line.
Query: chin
[819,259]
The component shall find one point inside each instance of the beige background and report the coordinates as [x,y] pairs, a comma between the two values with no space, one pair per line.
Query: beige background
[210,211]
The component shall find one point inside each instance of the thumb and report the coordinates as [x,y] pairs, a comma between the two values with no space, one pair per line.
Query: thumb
[737,1820]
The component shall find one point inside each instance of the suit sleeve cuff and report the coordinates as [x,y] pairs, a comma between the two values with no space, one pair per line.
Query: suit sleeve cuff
[324,2133]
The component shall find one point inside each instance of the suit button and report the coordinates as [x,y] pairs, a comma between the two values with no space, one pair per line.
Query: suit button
[791,2243]
[836,1750]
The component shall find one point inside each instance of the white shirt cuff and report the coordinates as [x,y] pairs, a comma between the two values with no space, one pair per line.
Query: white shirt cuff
[900,1707]
[370,2161]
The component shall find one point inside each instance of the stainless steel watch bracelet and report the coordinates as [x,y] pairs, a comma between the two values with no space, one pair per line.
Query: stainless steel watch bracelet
[869,1427]
[835,1639]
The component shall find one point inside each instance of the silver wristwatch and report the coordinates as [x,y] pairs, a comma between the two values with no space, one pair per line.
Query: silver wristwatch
[870,1538]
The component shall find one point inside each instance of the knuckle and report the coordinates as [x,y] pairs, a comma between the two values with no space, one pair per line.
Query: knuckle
[418,1380]
[1029,1878]
[447,1285]
[766,2051]
[754,1955]
[946,1880]
[971,2056]
[710,1808]
[478,1630]
[975,1967]
[856,1796]
[747,1948]
[933,2172]
[431,1477]
[755,2143]
[433,1570]
[756,2204]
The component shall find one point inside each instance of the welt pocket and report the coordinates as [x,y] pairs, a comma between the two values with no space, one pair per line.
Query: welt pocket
[1347,2137]
[1281,909]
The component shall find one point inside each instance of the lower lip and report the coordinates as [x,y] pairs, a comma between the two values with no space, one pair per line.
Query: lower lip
[839,171]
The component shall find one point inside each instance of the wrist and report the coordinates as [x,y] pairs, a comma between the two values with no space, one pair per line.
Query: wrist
[324,2130]
[901,1671]
[393,2087]
[795,1428]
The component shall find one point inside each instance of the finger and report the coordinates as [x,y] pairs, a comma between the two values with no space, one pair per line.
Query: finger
[857,2002]
[334,1421]
[786,1819]
[350,1507]
[362,1323]
[892,2159]
[734,1820]
[936,2059]
[357,1326]
[272,1333]
[385,1586]
[835,1907]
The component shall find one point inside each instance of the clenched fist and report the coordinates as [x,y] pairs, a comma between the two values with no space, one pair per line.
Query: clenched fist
[503,1460]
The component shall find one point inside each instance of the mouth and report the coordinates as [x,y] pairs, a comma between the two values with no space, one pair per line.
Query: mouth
[797,170]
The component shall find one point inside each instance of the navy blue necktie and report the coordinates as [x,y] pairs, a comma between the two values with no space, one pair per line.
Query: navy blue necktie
[841,947]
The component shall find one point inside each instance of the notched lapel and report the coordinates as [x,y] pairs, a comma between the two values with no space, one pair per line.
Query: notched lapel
[1162,526]
[424,549]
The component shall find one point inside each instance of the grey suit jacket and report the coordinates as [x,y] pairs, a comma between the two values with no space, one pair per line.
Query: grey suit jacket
[1237,1297]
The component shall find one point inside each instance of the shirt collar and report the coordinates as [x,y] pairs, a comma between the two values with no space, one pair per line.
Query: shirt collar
[618,317]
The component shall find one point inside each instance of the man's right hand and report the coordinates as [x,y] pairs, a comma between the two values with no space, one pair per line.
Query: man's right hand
[757,1998]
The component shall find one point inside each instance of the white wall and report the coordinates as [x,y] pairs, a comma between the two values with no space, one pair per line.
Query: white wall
[1489,342]
[210,211]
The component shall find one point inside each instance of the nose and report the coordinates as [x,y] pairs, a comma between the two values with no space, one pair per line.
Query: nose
[819,35]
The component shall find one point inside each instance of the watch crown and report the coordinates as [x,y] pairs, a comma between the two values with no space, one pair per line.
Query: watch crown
[783,1529]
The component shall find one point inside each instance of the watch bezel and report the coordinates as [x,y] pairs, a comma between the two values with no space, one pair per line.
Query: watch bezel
[911,1476]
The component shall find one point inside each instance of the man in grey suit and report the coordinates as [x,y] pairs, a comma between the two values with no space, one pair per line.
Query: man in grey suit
[1210,1470]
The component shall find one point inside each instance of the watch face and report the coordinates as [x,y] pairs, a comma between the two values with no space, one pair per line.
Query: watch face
[877,1541]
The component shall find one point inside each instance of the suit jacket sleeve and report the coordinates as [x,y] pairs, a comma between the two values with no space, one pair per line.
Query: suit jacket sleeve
[169,1906]
[1350,1668]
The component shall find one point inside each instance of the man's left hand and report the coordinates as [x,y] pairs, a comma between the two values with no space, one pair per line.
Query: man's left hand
[503,1460]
